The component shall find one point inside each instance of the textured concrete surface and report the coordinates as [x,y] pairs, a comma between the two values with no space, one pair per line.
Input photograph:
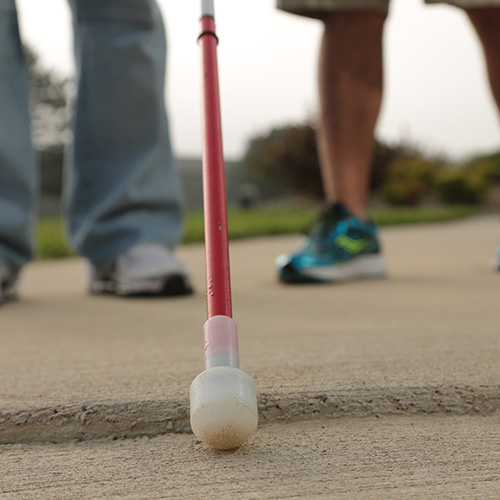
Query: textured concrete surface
[425,343]
[365,459]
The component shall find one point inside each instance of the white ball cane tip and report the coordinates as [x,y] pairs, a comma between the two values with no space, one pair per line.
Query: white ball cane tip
[223,407]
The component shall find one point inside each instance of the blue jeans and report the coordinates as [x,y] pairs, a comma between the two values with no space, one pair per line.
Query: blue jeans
[122,185]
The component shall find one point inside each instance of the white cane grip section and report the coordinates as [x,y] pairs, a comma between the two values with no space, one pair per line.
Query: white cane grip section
[221,342]
[207,8]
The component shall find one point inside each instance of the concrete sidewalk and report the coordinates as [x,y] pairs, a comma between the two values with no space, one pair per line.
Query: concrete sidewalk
[424,343]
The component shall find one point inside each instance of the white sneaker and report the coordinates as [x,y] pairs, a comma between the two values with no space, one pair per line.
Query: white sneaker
[8,288]
[146,269]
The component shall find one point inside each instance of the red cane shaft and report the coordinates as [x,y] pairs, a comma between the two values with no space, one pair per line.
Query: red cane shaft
[214,182]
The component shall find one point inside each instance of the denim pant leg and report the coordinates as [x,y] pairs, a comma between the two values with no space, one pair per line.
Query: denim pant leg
[123,186]
[17,160]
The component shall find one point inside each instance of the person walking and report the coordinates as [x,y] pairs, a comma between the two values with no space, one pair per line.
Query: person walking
[123,197]
[344,243]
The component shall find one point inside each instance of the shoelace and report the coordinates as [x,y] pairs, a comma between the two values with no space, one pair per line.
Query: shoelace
[328,218]
[324,224]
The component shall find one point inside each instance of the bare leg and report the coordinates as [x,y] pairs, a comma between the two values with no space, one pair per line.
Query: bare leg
[350,94]
[486,21]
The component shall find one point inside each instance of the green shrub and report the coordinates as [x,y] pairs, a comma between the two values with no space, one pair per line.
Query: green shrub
[386,154]
[486,168]
[403,191]
[488,164]
[463,185]
[409,180]
[287,155]
[285,160]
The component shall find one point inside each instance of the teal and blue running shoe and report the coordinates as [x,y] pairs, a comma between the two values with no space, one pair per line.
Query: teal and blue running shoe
[340,247]
[497,258]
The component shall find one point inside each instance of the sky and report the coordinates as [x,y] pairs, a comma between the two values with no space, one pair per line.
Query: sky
[436,90]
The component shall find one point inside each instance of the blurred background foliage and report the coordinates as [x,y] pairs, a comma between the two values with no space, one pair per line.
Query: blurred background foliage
[50,95]
[403,174]
[278,179]
[281,163]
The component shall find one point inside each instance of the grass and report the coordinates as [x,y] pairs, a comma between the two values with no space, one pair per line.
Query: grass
[51,241]
[418,215]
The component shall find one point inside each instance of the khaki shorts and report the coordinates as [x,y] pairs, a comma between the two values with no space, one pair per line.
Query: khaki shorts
[311,7]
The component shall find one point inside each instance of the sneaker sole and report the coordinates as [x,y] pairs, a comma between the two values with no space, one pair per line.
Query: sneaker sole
[365,267]
[8,293]
[174,285]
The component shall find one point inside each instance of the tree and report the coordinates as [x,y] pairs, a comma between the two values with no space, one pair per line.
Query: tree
[50,120]
[49,103]
[287,155]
